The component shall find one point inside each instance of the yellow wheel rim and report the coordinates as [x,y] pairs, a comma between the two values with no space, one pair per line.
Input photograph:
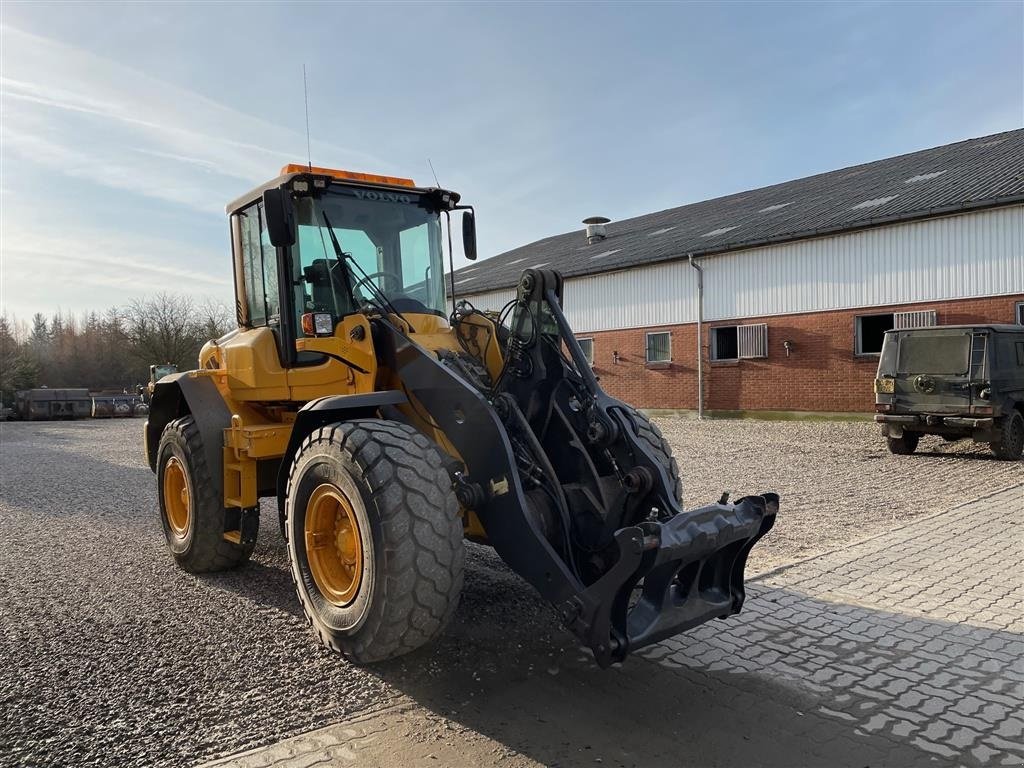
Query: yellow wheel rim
[176,498]
[333,546]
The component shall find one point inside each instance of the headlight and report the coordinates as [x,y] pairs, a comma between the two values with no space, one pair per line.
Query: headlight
[885,386]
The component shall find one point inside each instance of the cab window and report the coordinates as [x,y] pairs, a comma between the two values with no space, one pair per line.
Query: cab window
[395,247]
[259,268]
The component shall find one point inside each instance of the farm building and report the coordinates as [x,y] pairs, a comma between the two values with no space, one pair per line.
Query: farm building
[789,287]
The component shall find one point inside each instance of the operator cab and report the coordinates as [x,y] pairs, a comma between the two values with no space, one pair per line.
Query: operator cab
[316,245]
[157,372]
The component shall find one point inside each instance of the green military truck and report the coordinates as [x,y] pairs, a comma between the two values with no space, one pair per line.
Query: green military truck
[955,381]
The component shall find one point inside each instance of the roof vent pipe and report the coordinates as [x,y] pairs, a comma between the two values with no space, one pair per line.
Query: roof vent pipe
[595,229]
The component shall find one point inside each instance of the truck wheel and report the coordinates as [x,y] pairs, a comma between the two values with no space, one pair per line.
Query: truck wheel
[374,538]
[1010,443]
[192,513]
[904,446]
[651,435]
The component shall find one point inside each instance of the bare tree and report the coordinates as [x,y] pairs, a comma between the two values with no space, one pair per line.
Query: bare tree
[216,318]
[164,328]
[112,349]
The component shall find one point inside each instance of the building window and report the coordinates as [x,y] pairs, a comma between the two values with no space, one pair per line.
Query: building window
[871,332]
[1020,313]
[871,328]
[659,347]
[725,343]
[587,345]
[739,342]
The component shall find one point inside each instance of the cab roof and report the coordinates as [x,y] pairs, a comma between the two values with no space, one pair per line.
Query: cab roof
[351,178]
[999,327]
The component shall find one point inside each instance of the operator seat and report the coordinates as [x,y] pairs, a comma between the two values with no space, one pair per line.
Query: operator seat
[327,288]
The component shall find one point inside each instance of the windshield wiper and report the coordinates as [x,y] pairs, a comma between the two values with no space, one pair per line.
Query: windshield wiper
[383,302]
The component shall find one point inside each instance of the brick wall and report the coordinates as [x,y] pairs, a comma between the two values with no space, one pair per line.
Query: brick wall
[822,372]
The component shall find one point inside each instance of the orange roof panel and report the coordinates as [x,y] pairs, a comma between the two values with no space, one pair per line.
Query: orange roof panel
[373,178]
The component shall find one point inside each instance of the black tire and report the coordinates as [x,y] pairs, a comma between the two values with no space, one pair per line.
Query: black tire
[904,446]
[409,530]
[1010,443]
[201,547]
[650,434]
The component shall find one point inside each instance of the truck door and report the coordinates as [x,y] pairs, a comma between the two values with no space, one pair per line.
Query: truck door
[936,367]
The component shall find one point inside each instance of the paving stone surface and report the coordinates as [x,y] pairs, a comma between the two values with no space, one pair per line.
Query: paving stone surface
[904,649]
[915,635]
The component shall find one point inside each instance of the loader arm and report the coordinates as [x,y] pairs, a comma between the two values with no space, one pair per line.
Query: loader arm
[572,491]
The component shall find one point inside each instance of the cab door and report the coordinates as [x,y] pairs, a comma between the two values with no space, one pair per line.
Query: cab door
[256,357]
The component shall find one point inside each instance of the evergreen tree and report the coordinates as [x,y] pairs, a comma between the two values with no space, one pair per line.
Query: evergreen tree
[17,368]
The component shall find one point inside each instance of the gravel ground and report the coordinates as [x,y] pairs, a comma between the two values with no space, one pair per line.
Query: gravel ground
[837,480]
[113,656]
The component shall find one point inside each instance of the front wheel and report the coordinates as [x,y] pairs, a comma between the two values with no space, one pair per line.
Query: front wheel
[648,431]
[374,538]
[1009,443]
[903,446]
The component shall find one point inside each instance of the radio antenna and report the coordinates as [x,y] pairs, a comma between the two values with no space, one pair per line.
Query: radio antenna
[451,253]
[305,95]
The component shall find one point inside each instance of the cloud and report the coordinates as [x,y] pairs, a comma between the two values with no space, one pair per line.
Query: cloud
[81,267]
[173,183]
[76,112]
[70,113]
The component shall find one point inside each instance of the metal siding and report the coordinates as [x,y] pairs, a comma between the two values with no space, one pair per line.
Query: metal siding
[978,254]
[663,294]
[966,256]
[491,300]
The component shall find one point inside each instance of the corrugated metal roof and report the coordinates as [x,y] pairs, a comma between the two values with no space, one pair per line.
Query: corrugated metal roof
[969,174]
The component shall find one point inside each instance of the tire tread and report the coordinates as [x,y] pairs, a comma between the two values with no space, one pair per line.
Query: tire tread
[210,551]
[648,431]
[421,529]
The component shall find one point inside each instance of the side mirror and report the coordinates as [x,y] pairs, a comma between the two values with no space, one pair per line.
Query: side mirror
[280,216]
[469,235]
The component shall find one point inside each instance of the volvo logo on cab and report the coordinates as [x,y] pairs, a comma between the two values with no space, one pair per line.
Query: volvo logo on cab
[390,197]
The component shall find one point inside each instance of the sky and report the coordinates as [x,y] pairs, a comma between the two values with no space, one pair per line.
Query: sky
[126,128]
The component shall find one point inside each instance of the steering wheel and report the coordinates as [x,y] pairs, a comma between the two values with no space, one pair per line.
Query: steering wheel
[402,302]
[372,275]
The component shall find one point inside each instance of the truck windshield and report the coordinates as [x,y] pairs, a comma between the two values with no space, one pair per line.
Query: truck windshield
[395,240]
[163,370]
[946,354]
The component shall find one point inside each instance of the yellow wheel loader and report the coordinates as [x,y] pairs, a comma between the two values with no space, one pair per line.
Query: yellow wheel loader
[389,430]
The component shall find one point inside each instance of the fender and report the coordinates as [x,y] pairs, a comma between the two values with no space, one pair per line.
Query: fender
[327,410]
[181,394]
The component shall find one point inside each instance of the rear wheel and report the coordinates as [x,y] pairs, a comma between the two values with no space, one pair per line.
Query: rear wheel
[191,511]
[904,446]
[374,538]
[1010,443]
